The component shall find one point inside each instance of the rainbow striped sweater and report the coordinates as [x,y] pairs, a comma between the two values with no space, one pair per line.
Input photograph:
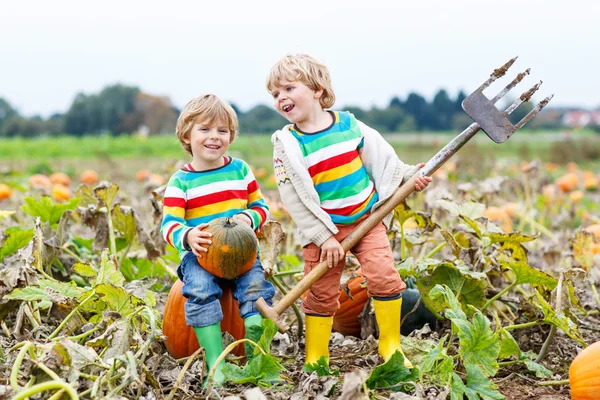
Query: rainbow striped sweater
[195,197]
[309,202]
[332,155]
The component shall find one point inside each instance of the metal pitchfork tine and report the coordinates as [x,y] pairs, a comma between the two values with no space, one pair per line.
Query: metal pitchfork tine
[486,116]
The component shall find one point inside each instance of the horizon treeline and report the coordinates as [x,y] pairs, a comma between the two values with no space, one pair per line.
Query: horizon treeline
[120,109]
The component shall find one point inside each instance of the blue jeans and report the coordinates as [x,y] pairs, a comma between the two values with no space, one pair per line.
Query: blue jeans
[203,291]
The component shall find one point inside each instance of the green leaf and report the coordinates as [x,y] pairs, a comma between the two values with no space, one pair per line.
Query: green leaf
[437,366]
[479,345]
[508,345]
[46,209]
[527,274]
[109,271]
[321,367]
[69,290]
[392,373]
[402,213]
[106,193]
[470,287]
[560,320]
[478,386]
[515,237]
[17,238]
[124,222]
[85,270]
[469,209]
[28,293]
[118,299]
[263,370]
[116,338]
[473,224]
[539,370]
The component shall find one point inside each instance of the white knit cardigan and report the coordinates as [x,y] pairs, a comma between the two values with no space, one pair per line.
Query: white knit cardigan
[298,192]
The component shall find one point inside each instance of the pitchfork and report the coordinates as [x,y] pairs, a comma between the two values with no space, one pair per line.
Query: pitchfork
[486,116]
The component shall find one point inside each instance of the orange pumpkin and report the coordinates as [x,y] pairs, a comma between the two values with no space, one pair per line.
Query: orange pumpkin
[142,175]
[60,193]
[499,217]
[181,339]
[156,179]
[233,249]
[594,230]
[39,181]
[89,177]
[584,374]
[345,320]
[5,192]
[576,196]
[568,182]
[60,178]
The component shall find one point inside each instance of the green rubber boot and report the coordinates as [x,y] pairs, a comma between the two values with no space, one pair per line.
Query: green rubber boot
[209,337]
[252,334]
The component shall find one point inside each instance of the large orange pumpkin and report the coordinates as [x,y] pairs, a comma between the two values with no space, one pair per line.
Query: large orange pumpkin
[584,374]
[233,249]
[181,339]
[345,320]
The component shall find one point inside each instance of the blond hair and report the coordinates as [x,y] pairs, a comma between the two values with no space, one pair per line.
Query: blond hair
[303,68]
[208,109]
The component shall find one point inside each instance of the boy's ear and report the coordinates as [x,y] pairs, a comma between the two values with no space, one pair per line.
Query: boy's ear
[186,139]
[318,93]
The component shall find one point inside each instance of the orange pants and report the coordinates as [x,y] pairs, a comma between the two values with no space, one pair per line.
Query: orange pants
[374,254]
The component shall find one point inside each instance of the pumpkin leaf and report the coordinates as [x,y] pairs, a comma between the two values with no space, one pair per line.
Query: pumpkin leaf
[469,209]
[106,193]
[262,370]
[479,345]
[468,286]
[560,320]
[109,271]
[116,338]
[478,386]
[321,367]
[392,373]
[117,299]
[527,274]
[16,239]
[46,209]
[437,366]
[124,222]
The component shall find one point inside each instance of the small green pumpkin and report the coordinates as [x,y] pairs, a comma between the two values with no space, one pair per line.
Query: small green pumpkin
[233,249]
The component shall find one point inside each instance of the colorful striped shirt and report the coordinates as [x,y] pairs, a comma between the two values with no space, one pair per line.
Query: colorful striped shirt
[195,197]
[344,187]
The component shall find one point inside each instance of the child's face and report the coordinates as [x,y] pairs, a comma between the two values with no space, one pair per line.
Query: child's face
[295,101]
[209,142]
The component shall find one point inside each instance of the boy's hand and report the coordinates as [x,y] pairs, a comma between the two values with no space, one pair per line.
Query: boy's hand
[332,251]
[422,181]
[244,218]
[198,240]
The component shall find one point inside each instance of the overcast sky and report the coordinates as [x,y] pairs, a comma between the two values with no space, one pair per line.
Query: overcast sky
[375,49]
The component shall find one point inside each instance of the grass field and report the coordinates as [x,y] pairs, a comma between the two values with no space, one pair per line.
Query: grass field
[130,153]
